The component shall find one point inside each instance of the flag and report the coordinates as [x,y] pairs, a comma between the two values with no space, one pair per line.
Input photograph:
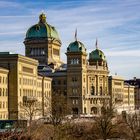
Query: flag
[76,34]
[96,44]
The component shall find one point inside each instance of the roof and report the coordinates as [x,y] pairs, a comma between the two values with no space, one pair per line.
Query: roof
[76,46]
[97,54]
[42,30]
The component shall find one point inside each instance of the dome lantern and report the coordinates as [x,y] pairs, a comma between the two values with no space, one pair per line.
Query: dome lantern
[76,46]
[42,18]
[42,30]
[96,56]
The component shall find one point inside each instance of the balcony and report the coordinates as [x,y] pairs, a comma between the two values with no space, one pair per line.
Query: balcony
[95,67]
[119,99]
[29,99]
[97,96]
[74,96]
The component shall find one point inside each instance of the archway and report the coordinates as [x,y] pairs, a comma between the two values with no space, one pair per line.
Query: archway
[94,110]
[75,111]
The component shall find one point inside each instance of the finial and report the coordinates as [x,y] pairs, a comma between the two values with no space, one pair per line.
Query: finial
[42,11]
[42,18]
[96,44]
[76,34]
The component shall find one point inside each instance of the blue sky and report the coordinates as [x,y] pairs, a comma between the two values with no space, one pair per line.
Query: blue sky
[116,24]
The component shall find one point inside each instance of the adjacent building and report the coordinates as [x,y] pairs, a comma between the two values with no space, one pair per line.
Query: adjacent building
[116,91]
[136,83]
[122,94]
[3,93]
[84,80]
[129,99]
[21,84]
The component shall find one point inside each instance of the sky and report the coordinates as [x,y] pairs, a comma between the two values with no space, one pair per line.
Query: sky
[116,24]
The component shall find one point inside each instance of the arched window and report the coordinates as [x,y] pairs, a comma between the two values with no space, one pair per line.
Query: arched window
[0,91]
[93,110]
[85,110]
[101,90]
[92,90]
[0,104]
[3,92]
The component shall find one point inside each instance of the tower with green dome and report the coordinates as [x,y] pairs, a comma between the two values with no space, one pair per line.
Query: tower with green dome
[76,76]
[42,42]
[97,57]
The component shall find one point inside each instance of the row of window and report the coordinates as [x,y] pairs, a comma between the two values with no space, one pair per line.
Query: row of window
[48,94]
[95,101]
[3,104]
[126,90]
[74,61]
[117,90]
[130,96]
[37,51]
[130,102]
[118,83]
[29,92]
[59,82]
[92,90]
[26,81]
[3,116]
[3,92]
[75,101]
[3,80]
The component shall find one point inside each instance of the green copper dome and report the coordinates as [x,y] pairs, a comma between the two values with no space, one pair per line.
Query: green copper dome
[97,55]
[42,30]
[76,46]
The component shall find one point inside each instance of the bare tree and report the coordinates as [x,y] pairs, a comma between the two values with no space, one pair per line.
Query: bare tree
[106,124]
[30,109]
[131,123]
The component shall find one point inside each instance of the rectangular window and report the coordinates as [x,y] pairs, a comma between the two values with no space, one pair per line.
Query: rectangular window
[56,52]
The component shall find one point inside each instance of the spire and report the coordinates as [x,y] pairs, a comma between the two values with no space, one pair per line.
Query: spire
[76,34]
[96,44]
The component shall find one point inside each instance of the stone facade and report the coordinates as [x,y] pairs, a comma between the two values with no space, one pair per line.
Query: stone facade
[24,84]
[4,93]
[42,43]
[83,81]
[136,83]
[129,100]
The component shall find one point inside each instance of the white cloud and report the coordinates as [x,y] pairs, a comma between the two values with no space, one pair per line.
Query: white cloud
[115,23]
[7,4]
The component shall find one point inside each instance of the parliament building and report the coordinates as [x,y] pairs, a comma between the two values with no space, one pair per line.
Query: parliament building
[84,80]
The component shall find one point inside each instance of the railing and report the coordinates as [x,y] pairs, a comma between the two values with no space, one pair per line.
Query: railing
[97,96]
[95,67]
[29,99]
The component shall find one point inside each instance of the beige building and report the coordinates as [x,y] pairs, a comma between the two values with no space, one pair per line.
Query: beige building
[43,43]
[24,84]
[128,98]
[116,91]
[122,94]
[83,81]
[3,93]
[136,83]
